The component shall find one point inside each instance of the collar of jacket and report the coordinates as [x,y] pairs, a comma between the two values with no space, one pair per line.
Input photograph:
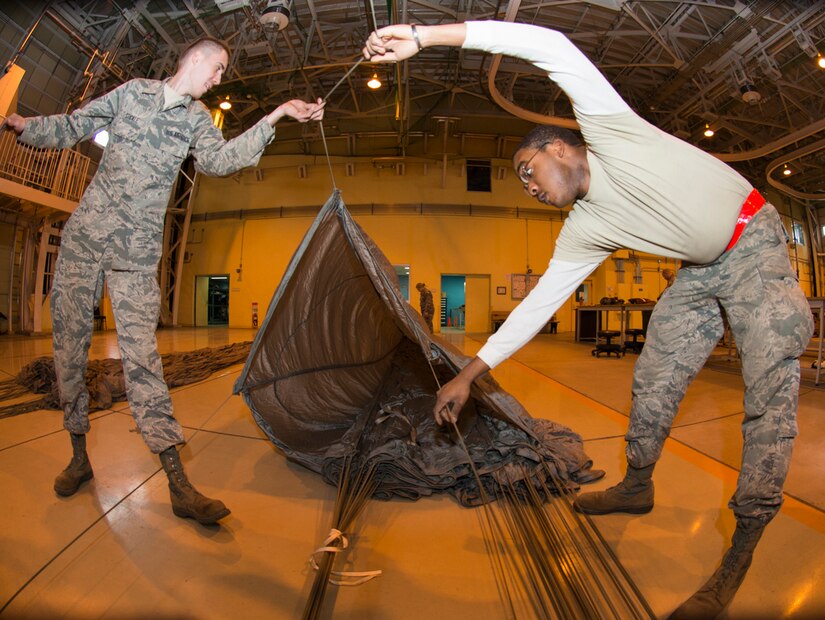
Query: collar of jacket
[155,87]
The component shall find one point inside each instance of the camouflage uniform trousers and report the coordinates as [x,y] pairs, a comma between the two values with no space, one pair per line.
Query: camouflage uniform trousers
[428,319]
[135,298]
[772,323]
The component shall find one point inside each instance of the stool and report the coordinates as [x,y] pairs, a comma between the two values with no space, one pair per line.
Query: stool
[634,345]
[99,320]
[607,347]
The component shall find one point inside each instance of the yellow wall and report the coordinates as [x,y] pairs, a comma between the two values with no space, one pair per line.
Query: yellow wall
[431,244]
[280,184]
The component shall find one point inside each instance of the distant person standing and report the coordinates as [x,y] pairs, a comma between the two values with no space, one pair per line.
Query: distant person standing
[425,302]
[670,277]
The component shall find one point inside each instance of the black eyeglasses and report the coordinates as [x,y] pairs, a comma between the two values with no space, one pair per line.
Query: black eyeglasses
[524,172]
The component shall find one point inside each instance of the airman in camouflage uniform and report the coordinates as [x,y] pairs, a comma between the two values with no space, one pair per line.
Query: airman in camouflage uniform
[425,302]
[755,286]
[634,187]
[117,232]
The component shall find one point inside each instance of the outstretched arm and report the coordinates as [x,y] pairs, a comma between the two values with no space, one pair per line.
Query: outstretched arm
[547,49]
[216,156]
[65,130]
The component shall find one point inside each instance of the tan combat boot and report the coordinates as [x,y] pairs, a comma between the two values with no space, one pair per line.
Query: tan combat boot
[186,501]
[77,472]
[634,494]
[714,596]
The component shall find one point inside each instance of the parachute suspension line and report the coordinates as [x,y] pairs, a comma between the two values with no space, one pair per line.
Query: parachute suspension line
[491,528]
[321,123]
[346,75]
[348,503]
[355,486]
[329,161]
[547,559]
[337,84]
[372,10]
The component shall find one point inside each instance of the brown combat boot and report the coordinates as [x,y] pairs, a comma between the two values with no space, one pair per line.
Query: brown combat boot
[77,472]
[186,501]
[714,596]
[634,494]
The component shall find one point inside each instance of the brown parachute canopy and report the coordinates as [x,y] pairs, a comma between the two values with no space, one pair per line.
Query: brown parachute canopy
[343,367]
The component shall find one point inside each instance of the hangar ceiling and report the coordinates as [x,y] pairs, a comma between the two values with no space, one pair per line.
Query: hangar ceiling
[746,69]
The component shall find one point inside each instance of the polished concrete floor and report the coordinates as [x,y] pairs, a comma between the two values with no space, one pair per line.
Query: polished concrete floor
[115,549]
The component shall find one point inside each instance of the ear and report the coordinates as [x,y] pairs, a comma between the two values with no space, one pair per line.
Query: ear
[559,148]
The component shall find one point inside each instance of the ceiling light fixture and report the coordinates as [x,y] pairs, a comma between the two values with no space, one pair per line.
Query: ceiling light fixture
[708,131]
[225,104]
[750,95]
[747,89]
[276,12]
[820,61]
[787,171]
[374,82]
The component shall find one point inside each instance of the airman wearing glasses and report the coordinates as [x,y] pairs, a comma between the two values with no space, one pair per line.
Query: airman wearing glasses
[632,186]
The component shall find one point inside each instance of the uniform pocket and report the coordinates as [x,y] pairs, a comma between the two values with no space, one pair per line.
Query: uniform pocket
[174,147]
[774,262]
[776,265]
[125,127]
[165,154]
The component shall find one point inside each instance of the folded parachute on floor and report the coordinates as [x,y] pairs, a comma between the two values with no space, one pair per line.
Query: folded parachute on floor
[343,367]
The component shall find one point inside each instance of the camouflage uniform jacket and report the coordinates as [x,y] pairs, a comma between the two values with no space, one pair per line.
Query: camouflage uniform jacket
[123,208]
[425,301]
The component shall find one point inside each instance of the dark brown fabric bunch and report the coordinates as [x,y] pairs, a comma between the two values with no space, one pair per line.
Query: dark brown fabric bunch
[104,378]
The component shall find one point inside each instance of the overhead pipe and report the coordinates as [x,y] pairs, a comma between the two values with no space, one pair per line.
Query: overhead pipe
[535,117]
[797,154]
[519,112]
[509,106]
[774,146]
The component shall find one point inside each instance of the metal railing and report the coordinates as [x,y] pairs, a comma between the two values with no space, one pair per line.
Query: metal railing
[61,172]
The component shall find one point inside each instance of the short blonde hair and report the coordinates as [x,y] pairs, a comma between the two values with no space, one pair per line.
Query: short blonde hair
[204,43]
